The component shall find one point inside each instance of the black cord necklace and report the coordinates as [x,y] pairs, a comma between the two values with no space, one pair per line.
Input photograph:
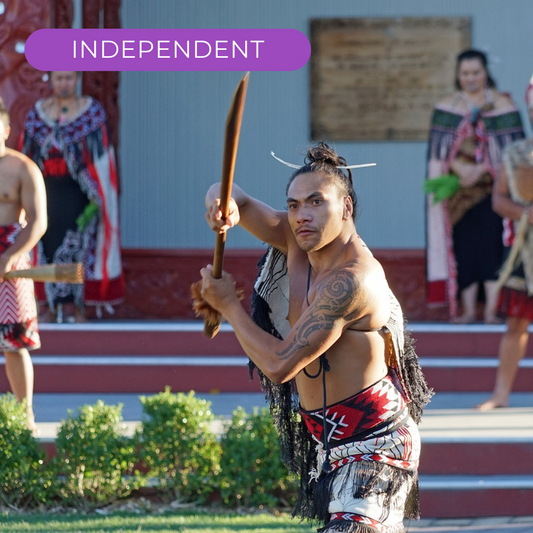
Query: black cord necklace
[63,111]
[322,369]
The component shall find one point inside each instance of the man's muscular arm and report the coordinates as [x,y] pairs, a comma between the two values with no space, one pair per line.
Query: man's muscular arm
[502,202]
[339,301]
[33,202]
[259,219]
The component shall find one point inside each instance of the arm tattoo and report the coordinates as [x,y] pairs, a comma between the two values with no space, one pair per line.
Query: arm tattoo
[337,298]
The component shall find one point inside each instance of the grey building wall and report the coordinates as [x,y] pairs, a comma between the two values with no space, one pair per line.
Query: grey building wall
[172,122]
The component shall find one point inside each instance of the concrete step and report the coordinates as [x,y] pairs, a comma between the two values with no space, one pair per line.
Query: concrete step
[144,338]
[136,338]
[469,442]
[469,374]
[227,373]
[144,374]
[508,457]
[146,356]
[476,463]
[469,340]
[474,496]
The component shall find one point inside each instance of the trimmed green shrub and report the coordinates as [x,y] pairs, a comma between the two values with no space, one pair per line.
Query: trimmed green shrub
[24,479]
[94,461]
[178,446]
[251,471]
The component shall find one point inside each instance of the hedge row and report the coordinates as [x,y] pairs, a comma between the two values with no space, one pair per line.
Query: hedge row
[175,447]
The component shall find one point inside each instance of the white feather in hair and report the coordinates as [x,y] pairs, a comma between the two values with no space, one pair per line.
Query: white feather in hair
[292,165]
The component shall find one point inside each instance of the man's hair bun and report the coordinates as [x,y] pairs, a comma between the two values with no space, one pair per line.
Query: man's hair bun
[322,153]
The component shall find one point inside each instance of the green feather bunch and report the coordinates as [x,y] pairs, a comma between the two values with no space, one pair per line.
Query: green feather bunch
[442,187]
[91,211]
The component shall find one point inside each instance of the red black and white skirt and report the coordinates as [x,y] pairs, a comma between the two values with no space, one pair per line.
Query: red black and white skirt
[18,312]
[514,300]
[371,483]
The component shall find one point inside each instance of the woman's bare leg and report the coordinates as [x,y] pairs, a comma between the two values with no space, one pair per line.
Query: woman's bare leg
[512,349]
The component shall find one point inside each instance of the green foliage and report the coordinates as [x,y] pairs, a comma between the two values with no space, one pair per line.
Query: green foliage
[93,458]
[442,187]
[252,473]
[24,480]
[177,444]
[90,212]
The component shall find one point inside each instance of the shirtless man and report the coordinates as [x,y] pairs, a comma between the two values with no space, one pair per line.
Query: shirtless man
[340,305]
[22,223]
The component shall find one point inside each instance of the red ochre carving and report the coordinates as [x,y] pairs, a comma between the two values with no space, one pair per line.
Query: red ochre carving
[20,84]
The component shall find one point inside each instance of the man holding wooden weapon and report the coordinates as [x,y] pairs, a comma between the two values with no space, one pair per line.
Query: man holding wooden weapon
[329,344]
[22,224]
[342,347]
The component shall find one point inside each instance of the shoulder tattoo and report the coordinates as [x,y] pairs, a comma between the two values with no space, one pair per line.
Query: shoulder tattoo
[338,297]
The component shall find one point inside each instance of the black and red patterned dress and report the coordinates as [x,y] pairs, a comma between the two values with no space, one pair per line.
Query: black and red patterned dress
[78,164]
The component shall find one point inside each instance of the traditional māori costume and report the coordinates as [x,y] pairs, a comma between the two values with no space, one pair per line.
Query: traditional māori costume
[77,160]
[18,312]
[357,459]
[464,235]
[516,294]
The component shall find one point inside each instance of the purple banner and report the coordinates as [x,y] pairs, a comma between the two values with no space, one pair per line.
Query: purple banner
[168,49]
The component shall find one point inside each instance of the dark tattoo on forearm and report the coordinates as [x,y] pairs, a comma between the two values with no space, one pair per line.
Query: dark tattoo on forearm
[338,297]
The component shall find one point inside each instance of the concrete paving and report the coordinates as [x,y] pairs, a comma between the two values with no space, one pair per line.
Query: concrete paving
[448,415]
[54,407]
[499,524]
[514,423]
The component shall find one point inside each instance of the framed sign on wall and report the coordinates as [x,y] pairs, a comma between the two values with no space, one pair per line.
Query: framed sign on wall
[377,79]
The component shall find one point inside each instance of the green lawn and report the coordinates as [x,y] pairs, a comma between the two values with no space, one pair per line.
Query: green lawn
[132,523]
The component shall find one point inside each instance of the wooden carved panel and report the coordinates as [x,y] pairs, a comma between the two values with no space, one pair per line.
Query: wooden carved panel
[62,13]
[378,79]
[103,85]
[20,84]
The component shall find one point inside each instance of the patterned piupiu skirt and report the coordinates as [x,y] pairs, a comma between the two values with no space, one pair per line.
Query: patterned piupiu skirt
[371,484]
[18,312]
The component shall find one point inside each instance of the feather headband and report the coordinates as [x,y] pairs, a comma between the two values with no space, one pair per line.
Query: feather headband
[292,165]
